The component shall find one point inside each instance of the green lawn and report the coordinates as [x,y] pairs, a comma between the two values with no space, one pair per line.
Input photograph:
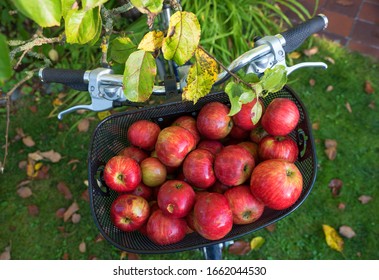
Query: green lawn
[299,236]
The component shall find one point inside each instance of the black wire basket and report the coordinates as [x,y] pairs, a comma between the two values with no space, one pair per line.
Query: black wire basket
[109,138]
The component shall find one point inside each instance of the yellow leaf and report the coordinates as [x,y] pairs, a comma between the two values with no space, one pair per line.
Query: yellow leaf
[183,36]
[102,115]
[57,102]
[333,239]
[294,55]
[152,41]
[201,76]
[38,166]
[257,242]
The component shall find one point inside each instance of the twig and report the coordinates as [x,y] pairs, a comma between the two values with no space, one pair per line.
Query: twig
[227,70]
[8,96]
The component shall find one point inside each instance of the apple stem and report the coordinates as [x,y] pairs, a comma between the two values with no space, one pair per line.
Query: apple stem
[120,177]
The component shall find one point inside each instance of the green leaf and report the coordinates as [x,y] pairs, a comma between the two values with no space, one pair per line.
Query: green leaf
[139,76]
[234,92]
[201,76]
[5,65]
[45,13]
[256,112]
[90,4]
[148,6]
[274,79]
[183,37]
[68,5]
[121,48]
[152,41]
[82,26]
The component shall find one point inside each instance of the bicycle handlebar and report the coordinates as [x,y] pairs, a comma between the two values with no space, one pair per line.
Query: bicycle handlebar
[71,78]
[297,35]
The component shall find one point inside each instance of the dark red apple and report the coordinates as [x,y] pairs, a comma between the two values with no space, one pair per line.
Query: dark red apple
[164,230]
[243,118]
[134,152]
[257,134]
[233,165]
[176,198]
[198,168]
[212,216]
[281,117]
[277,183]
[245,207]
[239,133]
[173,145]
[143,191]
[129,212]
[252,148]
[278,147]
[218,187]
[214,146]
[188,123]
[154,172]
[213,121]
[122,174]
[143,134]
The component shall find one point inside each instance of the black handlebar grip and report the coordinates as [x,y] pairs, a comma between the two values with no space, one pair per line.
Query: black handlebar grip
[71,78]
[297,35]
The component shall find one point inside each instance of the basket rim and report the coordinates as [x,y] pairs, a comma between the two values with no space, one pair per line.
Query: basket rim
[163,249]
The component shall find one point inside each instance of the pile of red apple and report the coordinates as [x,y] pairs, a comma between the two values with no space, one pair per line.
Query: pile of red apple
[205,173]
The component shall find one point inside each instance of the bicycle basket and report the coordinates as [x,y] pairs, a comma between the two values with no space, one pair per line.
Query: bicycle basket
[109,138]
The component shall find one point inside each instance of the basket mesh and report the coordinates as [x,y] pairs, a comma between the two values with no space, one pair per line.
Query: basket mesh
[110,137]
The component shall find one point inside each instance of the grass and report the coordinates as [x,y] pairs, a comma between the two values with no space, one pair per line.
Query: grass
[299,236]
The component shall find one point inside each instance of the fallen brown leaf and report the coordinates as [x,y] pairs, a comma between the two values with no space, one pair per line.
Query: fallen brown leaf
[335,185]
[22,164]
[330,143]
[75,218]
[348,107]
[43,173]
[271,228]
[33,210]
[312,82]
[99,238]
[63,189]
[316,126]
[329,88]
[329,59]
[85,195]
[65,256]
[83,125]
[82,247]
[24,192]
[6,255]
[372,105]
[347,231]
[52,155]
[132,256]
[28,141]
[341,206]
[331,153]
[60,212]
[239,248]
[364,199]
[70,211]
[368,87]
[20,132]
[312,51]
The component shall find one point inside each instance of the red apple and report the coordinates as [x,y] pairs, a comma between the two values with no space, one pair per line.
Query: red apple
[143,191]
[252,148]
[245,207]
[243,118]
[212,216]
[173,145]
[278,147]
[176,198]
[198,168]
[277,183]
[188,123]
[233,165]
[213,121]
[214,146]
[133,152]
[281,117]
[122,174]
[257,134]
[164,230]
[129,212]
[154,172]
[143,134]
